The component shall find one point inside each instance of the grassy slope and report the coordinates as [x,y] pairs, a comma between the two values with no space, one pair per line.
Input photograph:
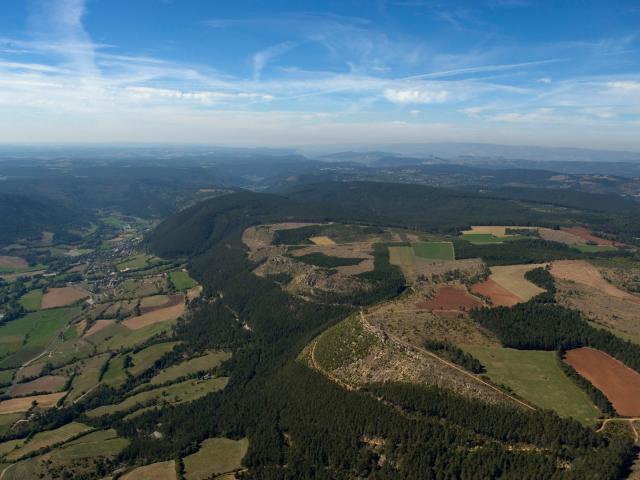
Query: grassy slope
[216,456]
[206,362]
[182,281]
[537,377]
[31,300]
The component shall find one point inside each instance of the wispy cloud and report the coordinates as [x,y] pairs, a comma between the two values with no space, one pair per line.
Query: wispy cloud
[261,58]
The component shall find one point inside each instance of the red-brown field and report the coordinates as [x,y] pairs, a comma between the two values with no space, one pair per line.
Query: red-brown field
[12,262]
[450,299]
[499,296]
[173,300]
[46,384]
[619,383]
[59,297]
[587,235]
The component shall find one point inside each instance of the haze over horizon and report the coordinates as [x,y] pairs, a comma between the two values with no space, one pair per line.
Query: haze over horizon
[513,72]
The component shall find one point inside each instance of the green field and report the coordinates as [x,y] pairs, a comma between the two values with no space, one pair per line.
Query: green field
[537,377]
[434,250]
[480,238]
[198,364]
[404,256]
[216,456]
[182,281]
[88,376]
[136,262]
[7,420]
[6,376]
[25,338]
[116,374]
[47,439]
[186,391]
[595,248]
[31,300]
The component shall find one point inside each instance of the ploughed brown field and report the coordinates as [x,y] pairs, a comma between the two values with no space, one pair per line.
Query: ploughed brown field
[499,296]
[619,383]
[12,262]
[587,235]
[450,299]
[60,297]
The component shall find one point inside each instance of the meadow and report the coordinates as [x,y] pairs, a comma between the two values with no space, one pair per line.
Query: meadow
[434,250]
[536,377]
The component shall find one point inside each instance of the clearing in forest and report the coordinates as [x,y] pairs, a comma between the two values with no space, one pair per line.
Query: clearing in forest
[182,281]
[434,250]
[61,297]
[322,240]
[619,383]
[215,457]
[537,377]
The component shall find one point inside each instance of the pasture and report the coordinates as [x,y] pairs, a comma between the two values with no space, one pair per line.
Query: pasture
[182,281]
[27,337]
[186,391]
[434,250]
[32,300]
[47,439]
[198,364]
[215,457]
[537,377]
[137,262]
[46,384]
[87,378]
[154,471]
[480,238]
[619,383]
[116,374]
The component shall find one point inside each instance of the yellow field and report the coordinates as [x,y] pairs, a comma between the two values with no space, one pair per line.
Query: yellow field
[17,405]
[496,231]
[155,471]
[215,457]
[322,240]
[511,277]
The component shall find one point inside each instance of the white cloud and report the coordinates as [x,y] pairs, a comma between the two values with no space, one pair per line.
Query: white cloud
[624,86]
[545,80]
[263,57]
[403,97]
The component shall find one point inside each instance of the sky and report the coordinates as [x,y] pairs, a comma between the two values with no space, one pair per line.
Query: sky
[290,73]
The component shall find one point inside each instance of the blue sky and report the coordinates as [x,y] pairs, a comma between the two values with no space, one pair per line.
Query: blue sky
[278,73]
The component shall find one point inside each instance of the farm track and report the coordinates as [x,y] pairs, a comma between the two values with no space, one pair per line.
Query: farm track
[630,420]
[408,346]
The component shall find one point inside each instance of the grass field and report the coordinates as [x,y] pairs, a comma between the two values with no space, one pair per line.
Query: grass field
[118,336]
[216,456]
[186,391]
[48,439]
[31,301]
[142,360]
[153,301]
[434,250]
[7,420]
[480,238]
[536,377]
[182,281]
[155,471]
[595,248]
[6,376]
[100,443]
[136,262]
[87,378]
[403,256]
[205,362]
[25,338]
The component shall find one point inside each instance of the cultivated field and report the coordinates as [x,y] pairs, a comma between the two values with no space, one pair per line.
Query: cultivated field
[560,236]
[215,457]
[583,272]
[157,315]
[511,278]
[587,235]
[497,294]
[496,231]
[22,404]
[537,377]
[12,263]
[322,240]
[155,471]
[46,384]
[61,297]
[450,299]
[619,383]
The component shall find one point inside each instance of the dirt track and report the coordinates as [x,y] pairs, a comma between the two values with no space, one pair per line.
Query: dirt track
[619,383]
